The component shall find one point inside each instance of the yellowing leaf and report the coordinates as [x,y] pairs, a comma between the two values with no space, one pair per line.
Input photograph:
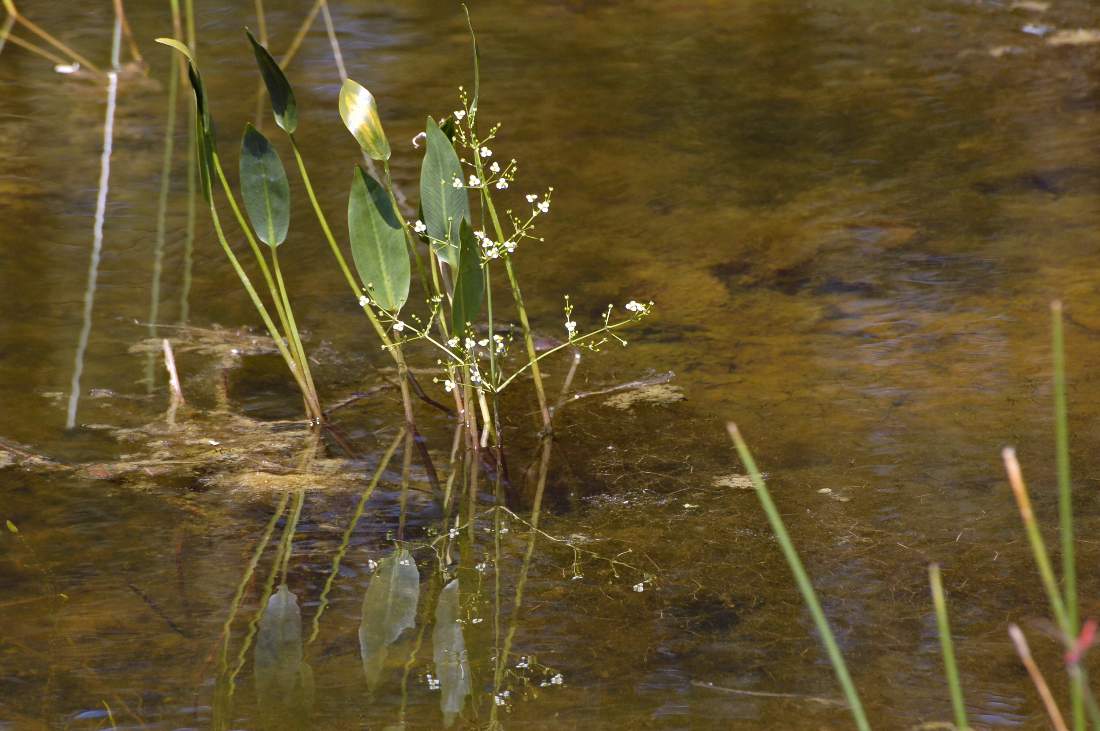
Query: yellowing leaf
[360,114]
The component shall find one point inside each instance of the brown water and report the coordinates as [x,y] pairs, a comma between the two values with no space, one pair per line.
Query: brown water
[851,216]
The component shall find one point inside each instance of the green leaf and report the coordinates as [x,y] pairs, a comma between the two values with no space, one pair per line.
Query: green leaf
[282,96]
[378,243]
[445,206]
[469,284]
[204,127]
[284,683]
[452,665]
[360,114]
[264,187]
[389,608]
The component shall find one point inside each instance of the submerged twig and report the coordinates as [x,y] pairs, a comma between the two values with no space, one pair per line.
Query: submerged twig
[173,375]
[766,694]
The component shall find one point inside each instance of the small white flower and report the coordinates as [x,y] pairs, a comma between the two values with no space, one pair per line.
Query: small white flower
[363,300]
[474,181]
[456,183]
[531,197]
[544,206]
[419,226]
[522,663]
[479,235]
[570,327]
[634,306]
[475,375]
[448,385]
[557,679]
[398,326]
[577,577]
[499,699]
[493,253]
[476,620]
[453,533]
[485,152]
[639,587]
[482,567]
[372,565]
[509,246]
[495,167]
[452,343]
[502,184]
[470,343]
[433,683]
[459,114]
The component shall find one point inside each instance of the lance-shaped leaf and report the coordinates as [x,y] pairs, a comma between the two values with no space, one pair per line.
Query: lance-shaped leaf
[264,187]
[469,284]
[360,114]
[204,126]
[378,243]
[279,645]
[284,683]
[445,206]
[389,608]
[278,88]
[452,666]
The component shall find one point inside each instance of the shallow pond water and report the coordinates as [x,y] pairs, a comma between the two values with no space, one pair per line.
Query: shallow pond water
[851,216]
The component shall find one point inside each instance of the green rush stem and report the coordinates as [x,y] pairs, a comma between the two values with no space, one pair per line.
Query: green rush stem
[260,259]
[513,625]
[288,534]
[256,301]
[312,401]
[1061,436]
[1038,548]
[345,541]
[392,347]
[802,579]
[950,669]
[1065,500]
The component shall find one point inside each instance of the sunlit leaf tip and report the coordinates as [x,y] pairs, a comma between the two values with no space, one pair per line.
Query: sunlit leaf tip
[278,88]
[181,47]
[360,114]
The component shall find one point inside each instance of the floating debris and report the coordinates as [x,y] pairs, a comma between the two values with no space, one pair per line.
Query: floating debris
[1075,37]
[660,394]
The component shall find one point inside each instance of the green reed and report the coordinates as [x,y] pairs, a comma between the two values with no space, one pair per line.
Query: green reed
[805,586]
[950,669]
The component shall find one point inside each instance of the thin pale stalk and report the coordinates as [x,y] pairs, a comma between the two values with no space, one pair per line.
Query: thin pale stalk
[135,52]
[5,30]
[162,215]
[37,50]
[345,541]
[950,669]
[1037,678]
[331,30]
[802,579]
[38,31]
[1035,539]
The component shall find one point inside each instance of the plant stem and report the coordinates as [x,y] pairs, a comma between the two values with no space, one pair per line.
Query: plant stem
[9,5]
[1065,500]
[391,346]
[312,401]
[1035,539]
[1037,678]
[950,669]
[802,579]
